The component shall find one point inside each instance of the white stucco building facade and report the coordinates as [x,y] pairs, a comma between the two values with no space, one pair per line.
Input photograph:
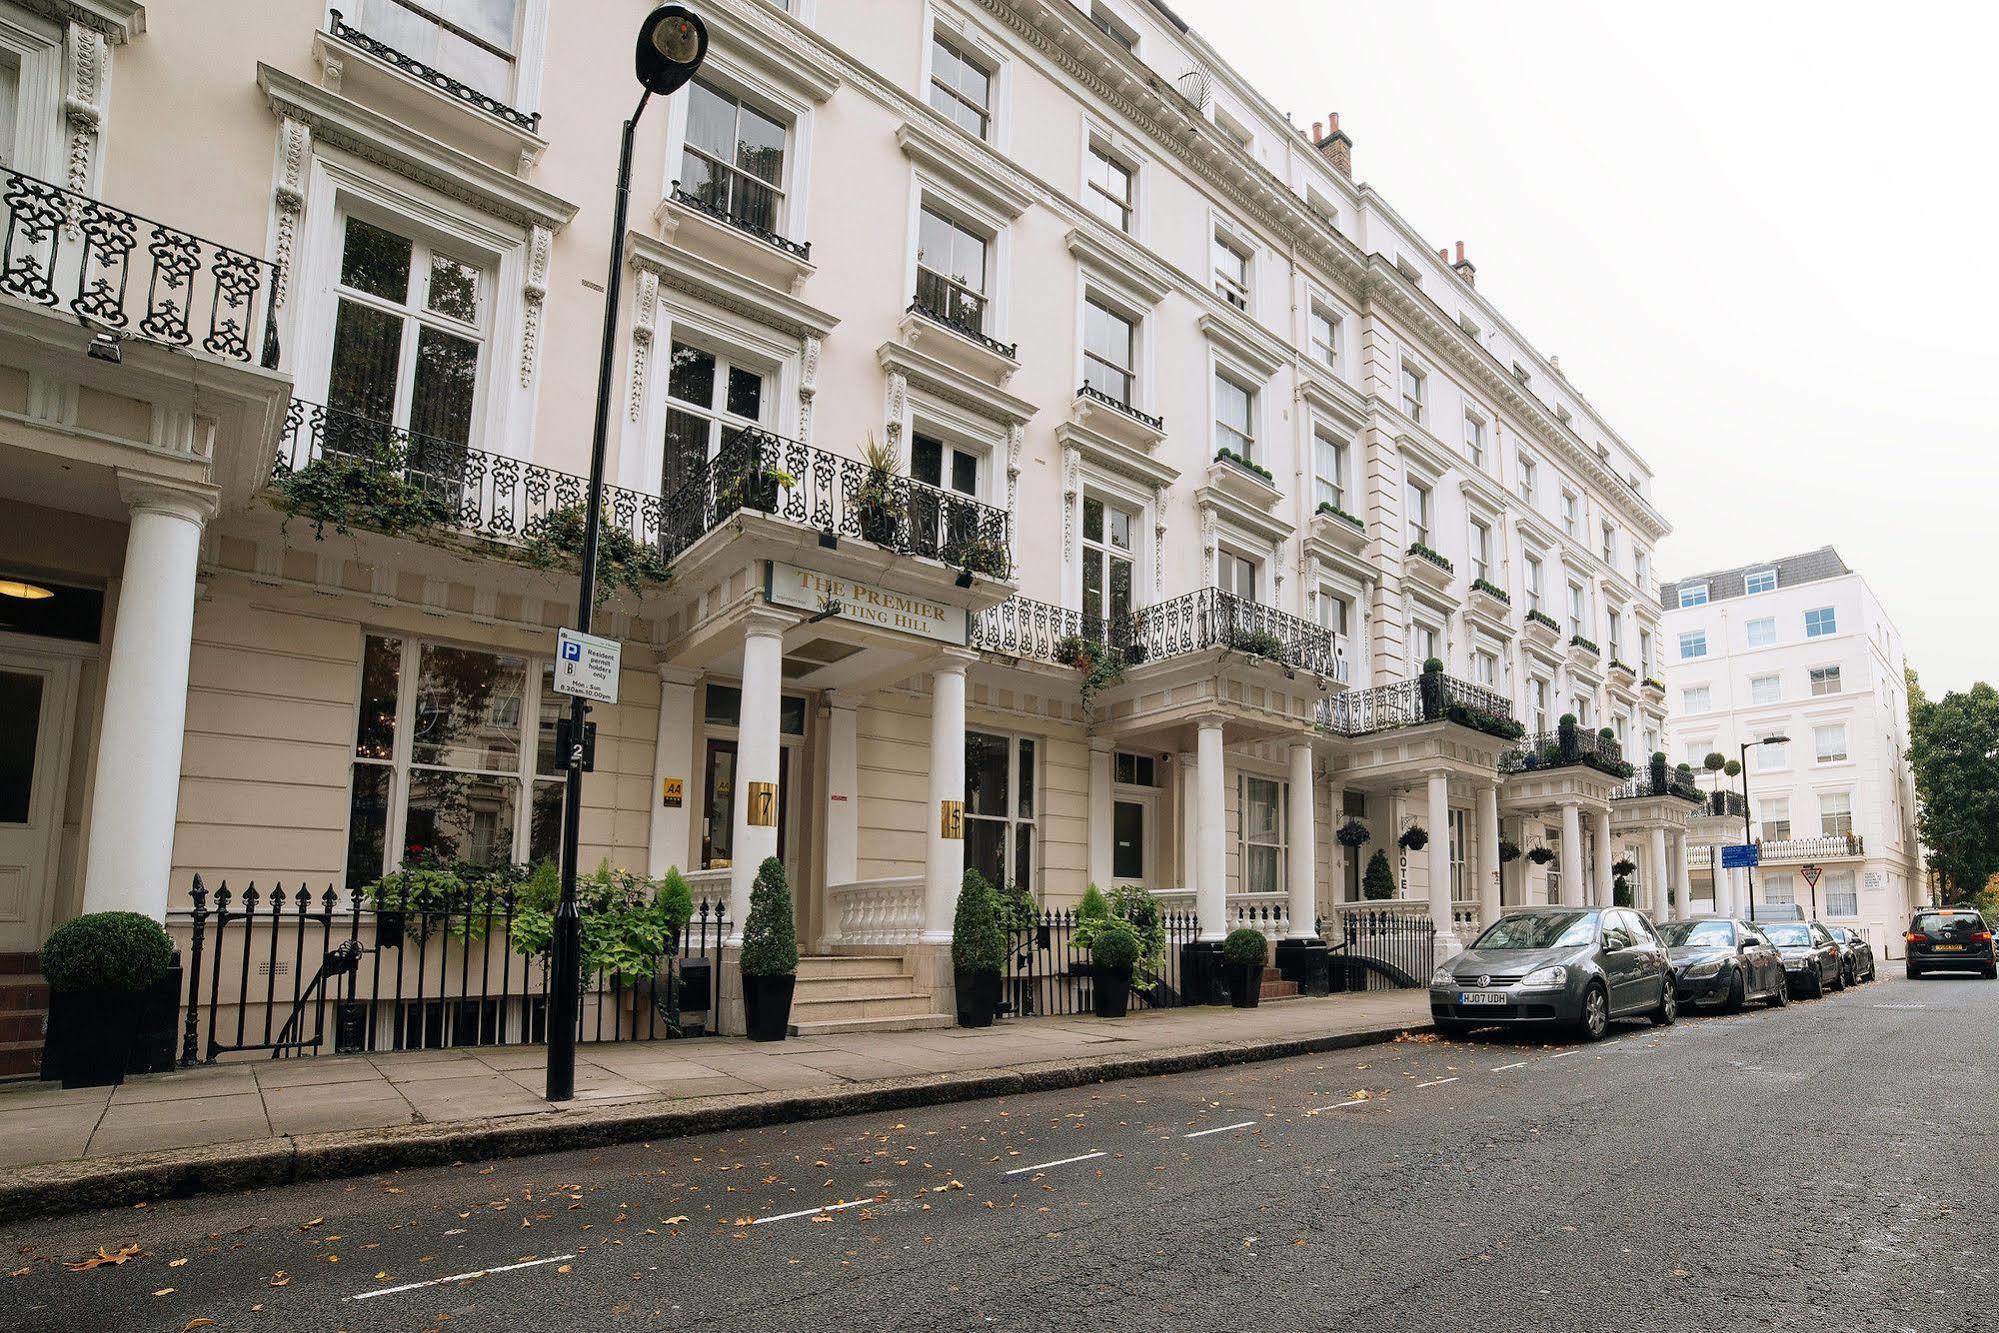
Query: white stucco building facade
[1801,647]
[1159,376]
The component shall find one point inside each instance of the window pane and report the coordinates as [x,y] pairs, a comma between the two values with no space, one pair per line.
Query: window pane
[447,372]
[463,816]
[711,121]
[722,705]
[686,448]
[492,20]
[367,824]
[468,709]
[20,732]
[691,377]
[1023,857]
[1259,818]
[1093,587]
[367,347]
[454,289]
[985,848]
[791,715]
[760,146]
[375,261]
[1261,869]
[746,394]
[381,670]
[553,706]
[1120,607]
[1093,519]
[545,822]
[985,774]
[1025,779]
[926,460]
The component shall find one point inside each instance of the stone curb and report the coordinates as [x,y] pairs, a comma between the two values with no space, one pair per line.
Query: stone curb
[55,1188]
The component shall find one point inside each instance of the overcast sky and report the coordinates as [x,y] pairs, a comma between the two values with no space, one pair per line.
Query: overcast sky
[1763,238]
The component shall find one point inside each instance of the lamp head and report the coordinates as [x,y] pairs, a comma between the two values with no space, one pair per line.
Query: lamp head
[672,44]
[1776,740]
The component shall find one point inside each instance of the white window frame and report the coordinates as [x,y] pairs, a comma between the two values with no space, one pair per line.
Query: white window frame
[1572,514]
[732,76]
[1325,436]
[958,31]
[1773,818]
[1753,576]
[1697,699]
[1479,548]
[1528,483]
[1766,626]
[1829,625]
[1691,639]
[1819,677]
[1133,313]
[1220,369]
[1239,295]
[37,47]
[529,54]
[1234,557]
[1324,352]
[1012,820]
[1609,551]
[928,192]
[1243,840]
[1839,750]
[1532,560]
[1771,758]
[1413,385]
[1758,695]
[1693,594]
[1537,702]
[1112,147]
[1419,504]
[1476,449]
[1838,816]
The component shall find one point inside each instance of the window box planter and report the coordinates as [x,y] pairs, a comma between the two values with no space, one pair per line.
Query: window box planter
[1588,646]
[1334,511]
[1437,558]
[1232,457]
[1490,589]
[1623,670]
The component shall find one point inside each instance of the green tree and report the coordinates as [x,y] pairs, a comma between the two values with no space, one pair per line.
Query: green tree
[1954,750]
[1379,881]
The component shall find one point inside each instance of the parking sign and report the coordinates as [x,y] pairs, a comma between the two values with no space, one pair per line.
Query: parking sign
[587,665]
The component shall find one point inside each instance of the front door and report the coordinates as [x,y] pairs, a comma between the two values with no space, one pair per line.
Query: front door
[37,701]
[1130,823]
[718,808]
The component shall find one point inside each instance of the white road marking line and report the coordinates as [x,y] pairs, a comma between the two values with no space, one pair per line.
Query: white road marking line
[1060,1161]
[1218,1129]
[812,1212]
[1437,1082]
[1341,1106]
[1561,1055]
[1518,1064]
[459,1277]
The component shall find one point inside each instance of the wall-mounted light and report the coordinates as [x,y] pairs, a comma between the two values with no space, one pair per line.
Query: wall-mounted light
[27,592]
[106,346]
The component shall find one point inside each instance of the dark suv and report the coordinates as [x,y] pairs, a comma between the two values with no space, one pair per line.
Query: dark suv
[1951,939]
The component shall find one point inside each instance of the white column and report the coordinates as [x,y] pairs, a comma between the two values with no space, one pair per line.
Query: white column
[1726,903]
[1488,854]
[1572,856]
[1301,866]
[132,808]
[944,858]
[1190,800]
[1655,876]
[1683,875]
[1211,889]
[672,759]
[1604,856]
[1101,822]
[756,756]
[1439,786]
[843,792]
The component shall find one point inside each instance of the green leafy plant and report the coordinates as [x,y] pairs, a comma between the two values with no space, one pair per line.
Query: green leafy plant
[1414,838]
[1353,833]
[1102,668]
[1435,557]
[1231,456]
[627,921]
[987,556]
[1540,856]
[429,890]
[1492,724]
[1492,590]
[1258,643]
[1327,507]
[106,951]
[1091,912]
[976,942]
[1137,908]
[1115,945]
[1654,683]
[1378,883]
[676,899]
[1016,908]
[1543,618]
[770,940]
[1732,769]
[1433,666]
[1624,866]
[363,484]
[1244,947]
[1620,891]
[556,542]
[1585,643]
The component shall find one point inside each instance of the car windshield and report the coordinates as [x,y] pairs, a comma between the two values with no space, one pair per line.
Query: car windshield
[1539,930]
[1792,935]
[1706,934]
[1949,925]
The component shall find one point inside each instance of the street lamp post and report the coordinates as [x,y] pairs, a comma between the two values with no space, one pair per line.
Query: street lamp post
[1749,872]
[671,45]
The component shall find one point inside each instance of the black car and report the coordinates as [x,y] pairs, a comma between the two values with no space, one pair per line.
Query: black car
[1811,957]
[1951,939]
[1856,955]
[1718,960]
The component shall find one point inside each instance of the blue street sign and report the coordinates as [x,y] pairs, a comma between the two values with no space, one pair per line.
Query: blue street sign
[1735,858]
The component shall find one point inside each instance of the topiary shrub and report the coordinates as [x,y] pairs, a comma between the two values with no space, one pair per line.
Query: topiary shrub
[1115,945]
[1732,769]
[770,940]
[106,951]
[1244,947]
[1378,883]
[1620,891]
[976,942]
[1433,666]
[675,900]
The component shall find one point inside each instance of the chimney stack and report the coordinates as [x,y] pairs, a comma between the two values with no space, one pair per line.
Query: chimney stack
[1338,149]
[1465,268]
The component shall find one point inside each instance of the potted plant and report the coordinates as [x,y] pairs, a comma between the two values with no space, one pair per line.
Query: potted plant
[985,555]
[1378,883]
[1114,948]
[1656,770]
[1414,838]
[1620,891]
[1091,913]
[1243,954]
[1509,852]
[99,967]
[1540,856]
[1568,744]
[770,955]
[1430,688]
[978,953]
[877,502]
[1353,833]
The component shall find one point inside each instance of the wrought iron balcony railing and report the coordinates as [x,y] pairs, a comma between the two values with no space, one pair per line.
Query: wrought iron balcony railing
[1643,787]
[139,278]
[438,79]
[1023,627]
[958,308]
[1559,749]
[1828,847]
[749,223]
[1431,697]
[432,480]
[765,473]
[1193,622]
[1097,395]
[1724,803]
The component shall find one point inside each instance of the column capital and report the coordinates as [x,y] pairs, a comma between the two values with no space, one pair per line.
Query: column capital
[1209,721]
[158,495]
[673,675]
[953,660]
[762,620]
[1102,745]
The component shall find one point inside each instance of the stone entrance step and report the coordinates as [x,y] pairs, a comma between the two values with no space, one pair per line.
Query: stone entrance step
[1276,987]
[24,1015]
[873,993]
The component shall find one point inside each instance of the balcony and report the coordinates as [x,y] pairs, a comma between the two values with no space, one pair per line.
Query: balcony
[1643,788]
[126,276]
[1243,480]
[1723,804]
[751,220]
[1117,419]
[1428,566]
[1193,622]
[942,303]
[1830,847]
[757,472]
[1431,697]
[334,467]
[1338,531]
[437,80]
[1566,749]
[1541,628]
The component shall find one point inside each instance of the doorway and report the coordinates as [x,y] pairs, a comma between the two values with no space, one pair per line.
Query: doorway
[37,703]
[718,820]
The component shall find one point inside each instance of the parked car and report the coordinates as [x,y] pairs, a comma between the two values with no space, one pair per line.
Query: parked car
[1951,939]
[1570,968]
[1856,955]
[1718,960]
[1811,956]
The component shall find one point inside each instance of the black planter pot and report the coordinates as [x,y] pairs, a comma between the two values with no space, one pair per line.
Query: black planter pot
[879,524]
[1113,992]
[1201,972]
[978,997]
[1245,982]
[767,1006]
[154,1045]
[91,1036]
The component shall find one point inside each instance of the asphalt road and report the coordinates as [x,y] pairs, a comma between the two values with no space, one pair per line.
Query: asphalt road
[1829,1165]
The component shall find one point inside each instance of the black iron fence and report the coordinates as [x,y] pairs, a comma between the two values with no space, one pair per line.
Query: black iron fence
[757,471]
[1430,697]
[1565,748]
[1192,622]
[1726,802]
[1049,973]
[482,494]
[133,276]
[294,974]
[1405,942]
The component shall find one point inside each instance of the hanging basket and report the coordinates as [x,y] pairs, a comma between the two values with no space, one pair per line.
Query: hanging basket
[1353,833]
[1540,856]
[1508,853]
[1414,838]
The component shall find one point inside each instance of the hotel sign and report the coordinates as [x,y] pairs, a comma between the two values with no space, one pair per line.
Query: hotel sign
[865,603]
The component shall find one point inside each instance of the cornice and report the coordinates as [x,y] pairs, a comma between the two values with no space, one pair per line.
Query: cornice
[386,142]
[951,384]
[999,188]
[1245,342]
[1333,396]
[683,271]
[1126,268]
[117,21]
[1245,517]
[777,63]
[1113,456]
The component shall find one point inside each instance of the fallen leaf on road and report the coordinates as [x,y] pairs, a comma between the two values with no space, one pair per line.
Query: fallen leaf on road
[307,1226]
[164,1291]
[199,1321]
[103,1257]
[281,1279]
[675,1220]
[175,1263]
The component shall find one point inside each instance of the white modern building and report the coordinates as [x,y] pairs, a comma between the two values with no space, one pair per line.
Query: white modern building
[1158,376]
[1800,647]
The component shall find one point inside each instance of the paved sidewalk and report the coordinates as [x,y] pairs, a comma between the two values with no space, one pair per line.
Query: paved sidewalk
[252,1121]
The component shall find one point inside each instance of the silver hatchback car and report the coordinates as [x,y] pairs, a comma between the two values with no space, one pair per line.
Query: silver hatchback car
[1563,967]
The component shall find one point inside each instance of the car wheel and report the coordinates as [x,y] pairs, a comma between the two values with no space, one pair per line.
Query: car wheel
[1738,992]
[1594,1021]
[1839,979]
[1816,988]
[1991,972]
[1781,996]
[1668,1011]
